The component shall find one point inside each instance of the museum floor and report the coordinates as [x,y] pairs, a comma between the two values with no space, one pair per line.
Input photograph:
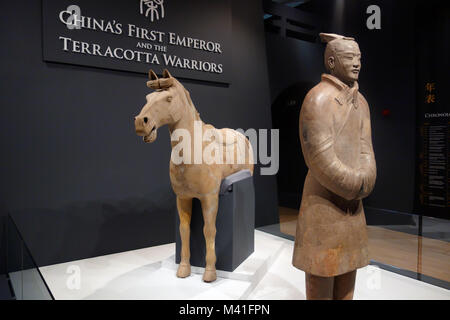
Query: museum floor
[422,255]
[403,266]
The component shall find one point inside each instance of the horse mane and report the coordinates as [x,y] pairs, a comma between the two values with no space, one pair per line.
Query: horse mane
[190,103]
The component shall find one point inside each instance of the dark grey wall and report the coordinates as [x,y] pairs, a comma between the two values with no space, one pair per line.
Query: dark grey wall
[294,68]
[387,81]
[78,180]
[292,61]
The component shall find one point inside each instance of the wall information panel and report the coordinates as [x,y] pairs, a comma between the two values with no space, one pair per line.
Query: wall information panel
[190,38]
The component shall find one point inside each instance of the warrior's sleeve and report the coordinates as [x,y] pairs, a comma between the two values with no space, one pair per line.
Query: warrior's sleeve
[316,136]
[367,162]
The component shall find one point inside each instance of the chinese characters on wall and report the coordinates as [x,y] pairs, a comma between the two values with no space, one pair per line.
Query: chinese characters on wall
[154,9]
[434,152]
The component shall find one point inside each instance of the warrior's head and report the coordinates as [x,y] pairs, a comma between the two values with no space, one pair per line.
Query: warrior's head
[342,57]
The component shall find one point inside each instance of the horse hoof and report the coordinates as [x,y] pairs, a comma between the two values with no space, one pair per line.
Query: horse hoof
[184,271]
[209,276]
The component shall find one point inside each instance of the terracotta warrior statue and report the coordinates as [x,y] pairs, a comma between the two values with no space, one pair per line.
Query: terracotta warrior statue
[335,134]
[200,174]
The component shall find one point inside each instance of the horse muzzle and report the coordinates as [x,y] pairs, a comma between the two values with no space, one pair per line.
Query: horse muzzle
[145,128]
[152,136]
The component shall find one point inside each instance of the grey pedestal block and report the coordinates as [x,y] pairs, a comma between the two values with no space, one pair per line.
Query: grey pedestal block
[235,225]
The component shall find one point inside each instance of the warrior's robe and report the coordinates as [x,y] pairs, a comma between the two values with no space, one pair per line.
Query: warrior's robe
[335,134]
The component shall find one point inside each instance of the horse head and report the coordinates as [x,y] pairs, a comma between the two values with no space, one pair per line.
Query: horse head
[164,106]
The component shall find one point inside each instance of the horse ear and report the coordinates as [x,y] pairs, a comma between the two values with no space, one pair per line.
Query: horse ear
[152,75]
[166,74]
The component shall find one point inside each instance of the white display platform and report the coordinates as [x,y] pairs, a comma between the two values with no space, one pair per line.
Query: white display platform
[267,274]
[284,282]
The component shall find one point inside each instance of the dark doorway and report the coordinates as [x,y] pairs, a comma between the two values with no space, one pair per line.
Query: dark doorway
[293,170]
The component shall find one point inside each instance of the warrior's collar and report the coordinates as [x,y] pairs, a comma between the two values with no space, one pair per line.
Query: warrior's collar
[346,94]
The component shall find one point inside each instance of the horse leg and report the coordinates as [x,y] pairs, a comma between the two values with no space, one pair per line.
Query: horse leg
[209,207]
[185,212]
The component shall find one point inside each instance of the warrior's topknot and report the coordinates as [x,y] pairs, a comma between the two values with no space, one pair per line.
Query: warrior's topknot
[332,40]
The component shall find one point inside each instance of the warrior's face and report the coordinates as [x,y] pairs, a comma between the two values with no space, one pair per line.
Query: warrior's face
[345,64]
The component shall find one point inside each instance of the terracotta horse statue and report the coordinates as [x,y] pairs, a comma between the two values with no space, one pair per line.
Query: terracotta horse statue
[171,105]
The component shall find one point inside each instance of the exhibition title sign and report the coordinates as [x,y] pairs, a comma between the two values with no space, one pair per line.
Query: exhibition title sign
[190,38]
